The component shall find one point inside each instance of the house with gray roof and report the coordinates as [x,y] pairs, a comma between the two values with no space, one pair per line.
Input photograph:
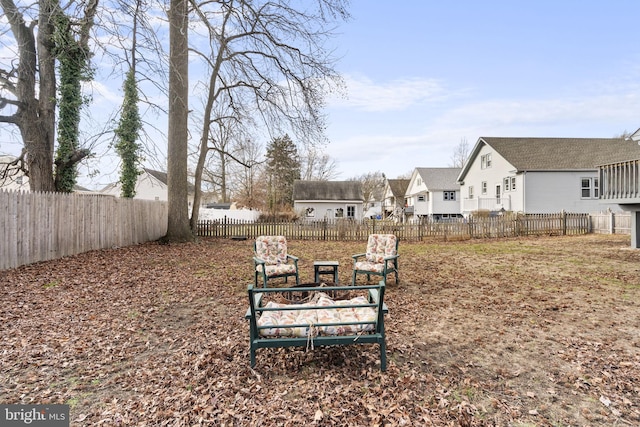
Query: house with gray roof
[320,200]
[538,175]
[393,199]
[150,185]
[433,193]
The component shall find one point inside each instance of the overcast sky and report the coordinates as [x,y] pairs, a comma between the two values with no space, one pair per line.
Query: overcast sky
[423,75]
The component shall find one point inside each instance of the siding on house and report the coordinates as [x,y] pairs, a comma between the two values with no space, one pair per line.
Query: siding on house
[319,200]
[547,173]
[427,189]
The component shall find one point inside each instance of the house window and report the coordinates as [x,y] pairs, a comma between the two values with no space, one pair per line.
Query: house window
[498,194]
[339,213]
[351,211]
[449,195]
[421,198]
[507,183]
[484,187]
[589,188]
[19,180]
[471,191]
[485,161]
[513,183]
[310,212]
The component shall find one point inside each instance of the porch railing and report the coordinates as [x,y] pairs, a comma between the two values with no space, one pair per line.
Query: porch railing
[486,204]
[620,182]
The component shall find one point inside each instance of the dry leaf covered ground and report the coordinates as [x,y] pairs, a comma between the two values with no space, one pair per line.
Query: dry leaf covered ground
[521,332]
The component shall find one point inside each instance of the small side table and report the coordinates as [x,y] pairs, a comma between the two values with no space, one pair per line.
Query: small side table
[324,268]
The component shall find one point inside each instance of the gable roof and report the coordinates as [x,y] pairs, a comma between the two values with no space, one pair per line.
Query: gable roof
[398,187]
[554,154]
[327,190]
[439,178]
[160,176]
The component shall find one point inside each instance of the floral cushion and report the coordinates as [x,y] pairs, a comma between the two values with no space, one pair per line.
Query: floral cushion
[380,246]
[282,321]
[272,249]
[369,266]
[277,269]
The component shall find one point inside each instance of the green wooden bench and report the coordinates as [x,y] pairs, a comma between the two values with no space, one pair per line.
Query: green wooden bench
[323,332]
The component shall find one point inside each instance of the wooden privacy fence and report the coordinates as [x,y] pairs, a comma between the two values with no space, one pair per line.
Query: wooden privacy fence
[344,229]
[42,226]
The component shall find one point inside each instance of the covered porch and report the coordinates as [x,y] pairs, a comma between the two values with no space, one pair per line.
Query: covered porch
[620,183]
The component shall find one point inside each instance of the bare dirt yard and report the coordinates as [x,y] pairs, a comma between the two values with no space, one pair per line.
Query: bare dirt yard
[514,332]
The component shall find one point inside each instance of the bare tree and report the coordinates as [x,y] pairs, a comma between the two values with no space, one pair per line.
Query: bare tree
[317,165]
[460,154]
[248,176]
[268,57]
[372,185]
[28,89]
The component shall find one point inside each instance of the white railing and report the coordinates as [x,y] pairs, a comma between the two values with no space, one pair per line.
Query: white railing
[620,181]
[486,204]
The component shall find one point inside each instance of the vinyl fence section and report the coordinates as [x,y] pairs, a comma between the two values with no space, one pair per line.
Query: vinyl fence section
[43,226]
[611,223]
[458,229]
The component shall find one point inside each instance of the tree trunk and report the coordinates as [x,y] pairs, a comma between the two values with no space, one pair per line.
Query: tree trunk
[178,225]
[35,116]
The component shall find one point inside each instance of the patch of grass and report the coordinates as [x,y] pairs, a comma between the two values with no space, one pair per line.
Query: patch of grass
[51,284]
[72,402]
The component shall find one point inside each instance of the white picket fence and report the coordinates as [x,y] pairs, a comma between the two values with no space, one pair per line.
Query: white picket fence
[43,226]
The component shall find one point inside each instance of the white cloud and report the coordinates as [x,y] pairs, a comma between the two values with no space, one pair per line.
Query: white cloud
[366,95]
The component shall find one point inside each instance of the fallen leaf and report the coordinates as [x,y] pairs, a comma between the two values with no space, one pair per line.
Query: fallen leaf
[606,402]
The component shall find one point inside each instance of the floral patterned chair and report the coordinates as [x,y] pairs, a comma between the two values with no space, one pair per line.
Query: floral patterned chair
[380,259]
[271,260]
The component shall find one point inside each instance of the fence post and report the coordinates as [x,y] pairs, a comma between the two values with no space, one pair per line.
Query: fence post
[324,229]
[612,223]
[564,222]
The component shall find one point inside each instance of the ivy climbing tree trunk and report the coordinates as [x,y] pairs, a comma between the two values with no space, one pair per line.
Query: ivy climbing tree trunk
[71,48]
[127,134]
[128,130]
[178,229]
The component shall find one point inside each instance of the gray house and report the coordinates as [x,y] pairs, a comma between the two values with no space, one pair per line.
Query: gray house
[433,193]
[539,175]
[319,200]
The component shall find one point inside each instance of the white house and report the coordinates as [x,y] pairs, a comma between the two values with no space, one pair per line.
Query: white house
[537,175]
[151,185]
[319,200]
[373,207]
[433,193]
[393,201]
